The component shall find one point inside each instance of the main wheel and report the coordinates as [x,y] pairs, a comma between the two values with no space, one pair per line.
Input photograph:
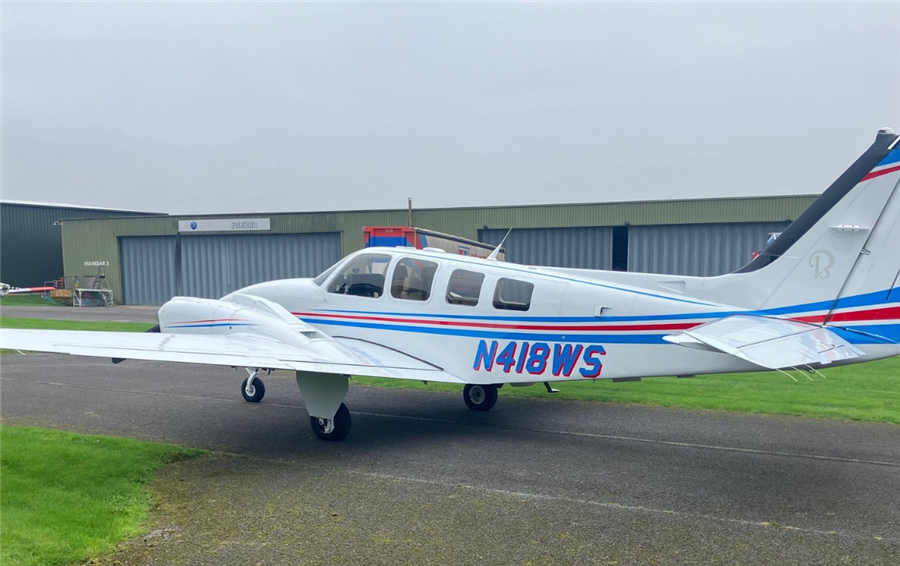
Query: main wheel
[332,429]
[255,392]
[480,397]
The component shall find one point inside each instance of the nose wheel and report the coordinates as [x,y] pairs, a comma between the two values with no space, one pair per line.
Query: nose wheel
[253,389]
[480,397]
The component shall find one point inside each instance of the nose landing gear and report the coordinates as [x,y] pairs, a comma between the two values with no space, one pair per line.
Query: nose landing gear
[253,389]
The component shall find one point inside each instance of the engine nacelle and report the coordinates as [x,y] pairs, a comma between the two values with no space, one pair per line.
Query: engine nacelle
[241,314]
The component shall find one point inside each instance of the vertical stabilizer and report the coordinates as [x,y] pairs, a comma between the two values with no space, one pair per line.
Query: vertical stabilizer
[845,244]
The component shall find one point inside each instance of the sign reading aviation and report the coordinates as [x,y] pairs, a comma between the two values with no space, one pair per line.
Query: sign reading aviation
[225,225]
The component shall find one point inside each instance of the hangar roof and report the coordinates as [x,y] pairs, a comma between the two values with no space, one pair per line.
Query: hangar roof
[72,206]
[649,212]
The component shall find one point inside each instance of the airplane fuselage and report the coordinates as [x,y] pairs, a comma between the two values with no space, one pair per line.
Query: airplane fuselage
[569,328]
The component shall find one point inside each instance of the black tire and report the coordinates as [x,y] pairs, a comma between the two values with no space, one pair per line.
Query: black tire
[257,390]
[341,423]
[480,397]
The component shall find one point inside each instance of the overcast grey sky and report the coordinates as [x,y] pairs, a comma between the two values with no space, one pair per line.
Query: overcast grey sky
[240,107]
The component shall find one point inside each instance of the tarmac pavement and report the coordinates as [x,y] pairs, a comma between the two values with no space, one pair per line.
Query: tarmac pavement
[422,480]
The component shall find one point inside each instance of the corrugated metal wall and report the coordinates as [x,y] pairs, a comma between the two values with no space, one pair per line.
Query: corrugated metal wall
[215,265]
[31,250]
[696,249]
[96,239]
[587,248]
[148,270]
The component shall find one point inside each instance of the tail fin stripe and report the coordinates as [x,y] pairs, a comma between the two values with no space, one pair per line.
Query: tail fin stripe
[892,157]
[874,174]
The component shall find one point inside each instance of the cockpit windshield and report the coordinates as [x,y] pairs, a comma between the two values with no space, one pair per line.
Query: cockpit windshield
[322,277]
[362,276]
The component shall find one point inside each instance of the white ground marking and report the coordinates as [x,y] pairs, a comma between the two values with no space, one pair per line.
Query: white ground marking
[606,505]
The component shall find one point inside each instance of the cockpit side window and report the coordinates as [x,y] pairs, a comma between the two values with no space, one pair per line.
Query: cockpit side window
[362,276]
[323,277]
[412,279]
[464,287]
[513,295]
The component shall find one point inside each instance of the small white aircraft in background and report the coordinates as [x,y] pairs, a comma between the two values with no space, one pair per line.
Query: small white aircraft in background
[7,290]
[824,293]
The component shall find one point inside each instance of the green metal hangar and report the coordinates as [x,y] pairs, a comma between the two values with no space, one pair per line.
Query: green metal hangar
[30,245]
[148,260]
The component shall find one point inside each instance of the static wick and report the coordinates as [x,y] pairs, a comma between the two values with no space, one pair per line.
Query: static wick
[786,373]
[815,371]
[801,371]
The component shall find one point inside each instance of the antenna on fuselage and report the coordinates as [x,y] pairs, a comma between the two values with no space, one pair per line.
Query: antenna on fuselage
[496,251]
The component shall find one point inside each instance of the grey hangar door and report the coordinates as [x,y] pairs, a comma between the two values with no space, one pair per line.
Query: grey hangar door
[697,249]
[214,265]
[585,248]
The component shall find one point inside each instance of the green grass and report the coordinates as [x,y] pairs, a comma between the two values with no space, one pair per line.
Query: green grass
[51,324]
[863,392]
[33,300]
[66,497]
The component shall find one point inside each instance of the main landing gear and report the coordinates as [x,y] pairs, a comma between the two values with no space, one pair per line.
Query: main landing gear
[483,397]
[323,395]
[333,429]
[480,397]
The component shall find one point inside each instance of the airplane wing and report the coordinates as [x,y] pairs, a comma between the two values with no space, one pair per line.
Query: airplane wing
[328,355]
[772,343]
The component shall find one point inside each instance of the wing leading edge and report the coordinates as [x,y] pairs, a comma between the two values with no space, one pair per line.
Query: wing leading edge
[772,343]
[239,349]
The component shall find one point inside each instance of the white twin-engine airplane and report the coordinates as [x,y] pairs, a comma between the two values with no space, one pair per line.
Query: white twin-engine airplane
[824,293]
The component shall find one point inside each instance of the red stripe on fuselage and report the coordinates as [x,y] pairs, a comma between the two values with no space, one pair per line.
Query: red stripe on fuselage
[888,313]
[210,320]
[619,327]
[856,316]
[874,314]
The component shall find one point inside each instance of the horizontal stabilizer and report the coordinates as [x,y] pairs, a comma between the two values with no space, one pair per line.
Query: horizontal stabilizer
[236,349]
[772,343]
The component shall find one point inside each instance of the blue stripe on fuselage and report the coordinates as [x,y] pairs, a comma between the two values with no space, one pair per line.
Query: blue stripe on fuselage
[873,334]
[869,334]
[613,338]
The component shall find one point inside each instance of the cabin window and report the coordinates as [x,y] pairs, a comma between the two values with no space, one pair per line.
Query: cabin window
[362,276]
[413,279]
[513,295]
[464,287]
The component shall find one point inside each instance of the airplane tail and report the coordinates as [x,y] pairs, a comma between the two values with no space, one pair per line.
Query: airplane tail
[840,259]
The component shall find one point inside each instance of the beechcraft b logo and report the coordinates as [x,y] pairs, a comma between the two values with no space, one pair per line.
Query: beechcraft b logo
[821,262]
